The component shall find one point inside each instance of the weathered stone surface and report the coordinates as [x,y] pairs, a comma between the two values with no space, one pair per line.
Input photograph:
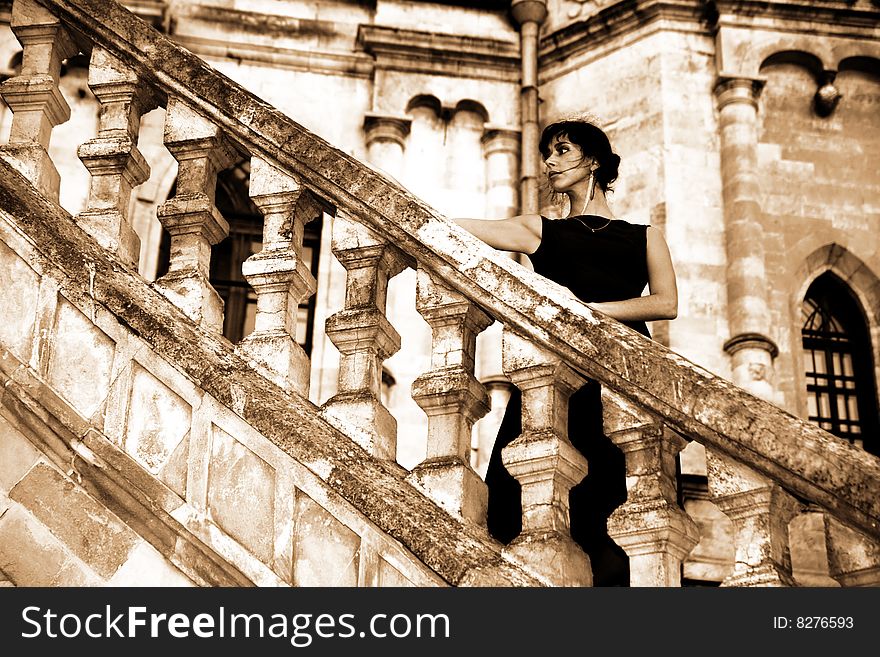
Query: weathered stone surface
[87,529]
[30,555]
[17,455]
[74,333]
[19,287]
[241,494]
[390,576]
[325,551]
[158,420]
[146,567]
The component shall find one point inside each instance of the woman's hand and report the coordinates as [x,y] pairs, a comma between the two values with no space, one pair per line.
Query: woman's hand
[661,302]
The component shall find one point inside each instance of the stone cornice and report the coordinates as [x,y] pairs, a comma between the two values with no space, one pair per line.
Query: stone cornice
[331,63]
[828,17]
[615,21]
[443,54]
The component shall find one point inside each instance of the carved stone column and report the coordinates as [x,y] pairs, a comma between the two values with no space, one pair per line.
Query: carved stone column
[385,137]
[190,216]
[853,558]
[279,276]
[501,151]
[452,398]
[112,157]
[34,96]
[364,337]
[760,512]
[750,346]
[654,531]
[545,463]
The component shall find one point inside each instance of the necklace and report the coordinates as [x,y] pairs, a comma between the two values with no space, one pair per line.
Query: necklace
[594,230]
[591,186]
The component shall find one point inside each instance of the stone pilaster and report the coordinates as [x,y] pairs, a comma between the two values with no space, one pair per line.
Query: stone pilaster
[279,276]
[191,217]
[853,558]
[653,530]
[385,137]
[501,150]
[750,346]
[545,463]
[760,512]
[364,337]
[33,95]
[112,157]
[452,398]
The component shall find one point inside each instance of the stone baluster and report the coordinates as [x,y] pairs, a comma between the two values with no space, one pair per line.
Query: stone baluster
[853,558]
[760,512]
[279,276]
[654,531]
[190,217]
[364,337]
[545,463]
[452,398]
[112,157]
[34,96]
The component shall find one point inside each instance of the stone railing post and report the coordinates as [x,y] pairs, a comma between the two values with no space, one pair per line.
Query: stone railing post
[452,398]
[364,337]
[112,158]
[853,558]
[760,512]
[33,95]
[279,276]
[545,463]
[654,531]
[190,216]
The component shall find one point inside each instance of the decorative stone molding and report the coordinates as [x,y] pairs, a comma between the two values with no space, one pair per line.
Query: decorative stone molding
[381,127]
[827,95]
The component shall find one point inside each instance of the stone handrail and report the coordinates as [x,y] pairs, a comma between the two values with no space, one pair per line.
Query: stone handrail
[648,385]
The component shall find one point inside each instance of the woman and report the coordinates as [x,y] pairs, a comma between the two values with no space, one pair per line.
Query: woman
[606,263]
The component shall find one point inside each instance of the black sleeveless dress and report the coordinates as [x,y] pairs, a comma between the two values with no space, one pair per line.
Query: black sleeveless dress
[607,265]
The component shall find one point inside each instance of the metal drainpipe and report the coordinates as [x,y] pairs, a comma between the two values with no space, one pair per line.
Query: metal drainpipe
[530,14]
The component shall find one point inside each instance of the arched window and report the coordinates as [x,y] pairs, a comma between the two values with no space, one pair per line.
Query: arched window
[839,367]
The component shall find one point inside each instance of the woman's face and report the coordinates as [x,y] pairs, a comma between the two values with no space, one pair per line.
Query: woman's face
[566,164]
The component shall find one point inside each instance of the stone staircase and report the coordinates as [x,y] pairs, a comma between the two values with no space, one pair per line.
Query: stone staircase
[136,439]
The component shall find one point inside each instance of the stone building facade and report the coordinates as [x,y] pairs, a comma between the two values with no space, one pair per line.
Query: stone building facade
[747,132]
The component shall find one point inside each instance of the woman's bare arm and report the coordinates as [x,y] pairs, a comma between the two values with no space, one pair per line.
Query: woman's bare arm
[661,302]
[521,233]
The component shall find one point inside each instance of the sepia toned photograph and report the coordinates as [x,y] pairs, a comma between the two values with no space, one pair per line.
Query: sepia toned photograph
[437,293]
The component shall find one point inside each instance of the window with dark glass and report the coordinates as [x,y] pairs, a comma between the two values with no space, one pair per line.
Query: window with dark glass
[838,363]
[246,238]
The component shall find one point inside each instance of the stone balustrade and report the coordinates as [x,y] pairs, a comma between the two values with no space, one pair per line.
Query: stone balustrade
[764,463]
